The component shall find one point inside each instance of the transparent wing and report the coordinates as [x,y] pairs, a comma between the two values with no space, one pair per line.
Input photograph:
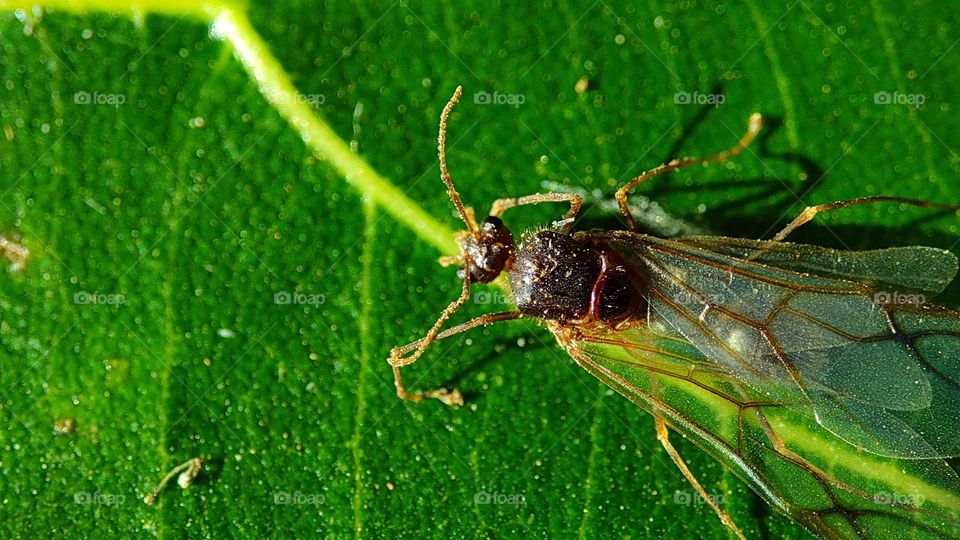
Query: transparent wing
[883,376]
[892,268]
[775,446]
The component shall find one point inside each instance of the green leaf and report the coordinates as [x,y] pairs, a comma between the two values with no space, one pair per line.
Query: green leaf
[170,176]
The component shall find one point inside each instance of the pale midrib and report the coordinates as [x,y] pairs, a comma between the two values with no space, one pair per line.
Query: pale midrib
[231,23]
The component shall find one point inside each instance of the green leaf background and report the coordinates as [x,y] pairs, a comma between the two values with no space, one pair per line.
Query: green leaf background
[197,201]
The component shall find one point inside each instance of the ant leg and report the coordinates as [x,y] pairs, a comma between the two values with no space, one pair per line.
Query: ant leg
[651,404]
[187,471]
[753,127]
[482,320]
[663,437]
[576,201]
[449,397]
[450,260]
[397,359]
[809,212]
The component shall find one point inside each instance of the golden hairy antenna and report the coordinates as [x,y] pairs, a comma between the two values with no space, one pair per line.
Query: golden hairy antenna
[465,215]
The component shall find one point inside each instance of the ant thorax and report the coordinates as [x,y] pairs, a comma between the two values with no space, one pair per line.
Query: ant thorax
[572,278]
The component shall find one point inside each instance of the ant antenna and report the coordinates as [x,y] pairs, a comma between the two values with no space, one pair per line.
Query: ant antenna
[465,214]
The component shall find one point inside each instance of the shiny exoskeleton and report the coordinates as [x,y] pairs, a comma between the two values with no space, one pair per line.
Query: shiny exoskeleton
[557,276]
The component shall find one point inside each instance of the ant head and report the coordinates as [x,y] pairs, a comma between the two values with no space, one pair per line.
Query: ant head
[485,250]
[488,253]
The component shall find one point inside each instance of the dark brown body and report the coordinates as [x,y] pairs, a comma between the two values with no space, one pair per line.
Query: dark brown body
[574,278]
